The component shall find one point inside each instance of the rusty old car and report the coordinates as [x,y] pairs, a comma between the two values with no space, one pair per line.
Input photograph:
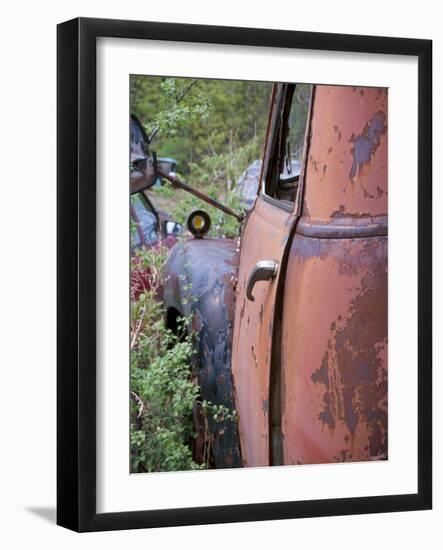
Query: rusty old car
[291,317]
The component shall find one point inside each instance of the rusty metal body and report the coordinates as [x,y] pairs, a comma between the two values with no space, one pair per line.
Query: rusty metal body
[264,237]
[333,351]
[200,282]
[334,338]
[310,353]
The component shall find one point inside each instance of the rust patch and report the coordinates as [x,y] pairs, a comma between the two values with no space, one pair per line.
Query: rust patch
[355,215]
[337,132]
[229,295]
[366,144]
[360,377]
[314,165]
[254,357]
[321,375]
[261,314]
[242,311]
[326,415]
[197,322]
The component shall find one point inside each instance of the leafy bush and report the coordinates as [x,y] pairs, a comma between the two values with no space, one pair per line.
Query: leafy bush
[163,394]
[177,107]
[224,169]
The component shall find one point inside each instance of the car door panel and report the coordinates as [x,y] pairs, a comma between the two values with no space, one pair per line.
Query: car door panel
[264,237]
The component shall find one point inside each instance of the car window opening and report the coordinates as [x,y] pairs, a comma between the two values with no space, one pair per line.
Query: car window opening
[284,176]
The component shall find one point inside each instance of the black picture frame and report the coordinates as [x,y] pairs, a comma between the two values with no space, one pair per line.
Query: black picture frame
[76,278]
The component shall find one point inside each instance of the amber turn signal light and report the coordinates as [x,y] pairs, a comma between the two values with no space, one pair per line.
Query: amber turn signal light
[199,223]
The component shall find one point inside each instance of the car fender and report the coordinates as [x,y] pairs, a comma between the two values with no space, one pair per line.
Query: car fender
[200,281]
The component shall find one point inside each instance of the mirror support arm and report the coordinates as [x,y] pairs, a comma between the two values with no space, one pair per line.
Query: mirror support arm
[177,182]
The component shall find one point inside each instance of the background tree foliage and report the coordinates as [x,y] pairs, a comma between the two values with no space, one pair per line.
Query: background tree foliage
[201,118]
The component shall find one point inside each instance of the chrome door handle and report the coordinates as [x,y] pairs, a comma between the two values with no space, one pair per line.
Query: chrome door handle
[265,270]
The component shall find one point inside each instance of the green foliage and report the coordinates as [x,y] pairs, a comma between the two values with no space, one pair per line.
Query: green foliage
[219,413]
[224,169]
[178,107]
[162,411]
[200,118]
[162,391]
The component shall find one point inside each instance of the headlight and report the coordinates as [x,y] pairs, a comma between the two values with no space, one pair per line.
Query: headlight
[199,223]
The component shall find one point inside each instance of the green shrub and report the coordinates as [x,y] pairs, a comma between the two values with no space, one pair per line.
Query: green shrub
[163,394]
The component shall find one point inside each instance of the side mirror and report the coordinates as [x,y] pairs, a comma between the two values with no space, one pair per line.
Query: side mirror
[173,228]
[290,176]
[286,180]
[143,173]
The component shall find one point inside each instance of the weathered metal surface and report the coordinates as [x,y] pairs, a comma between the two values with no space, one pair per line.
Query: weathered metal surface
[200,282]
[264,237]
[334,351]
[334,322]
[314,354]
[347,160]
[343,227]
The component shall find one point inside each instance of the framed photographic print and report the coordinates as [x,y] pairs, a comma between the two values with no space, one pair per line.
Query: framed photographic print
[244,223]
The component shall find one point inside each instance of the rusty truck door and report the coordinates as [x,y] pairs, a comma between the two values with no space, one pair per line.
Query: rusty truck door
[263,243]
